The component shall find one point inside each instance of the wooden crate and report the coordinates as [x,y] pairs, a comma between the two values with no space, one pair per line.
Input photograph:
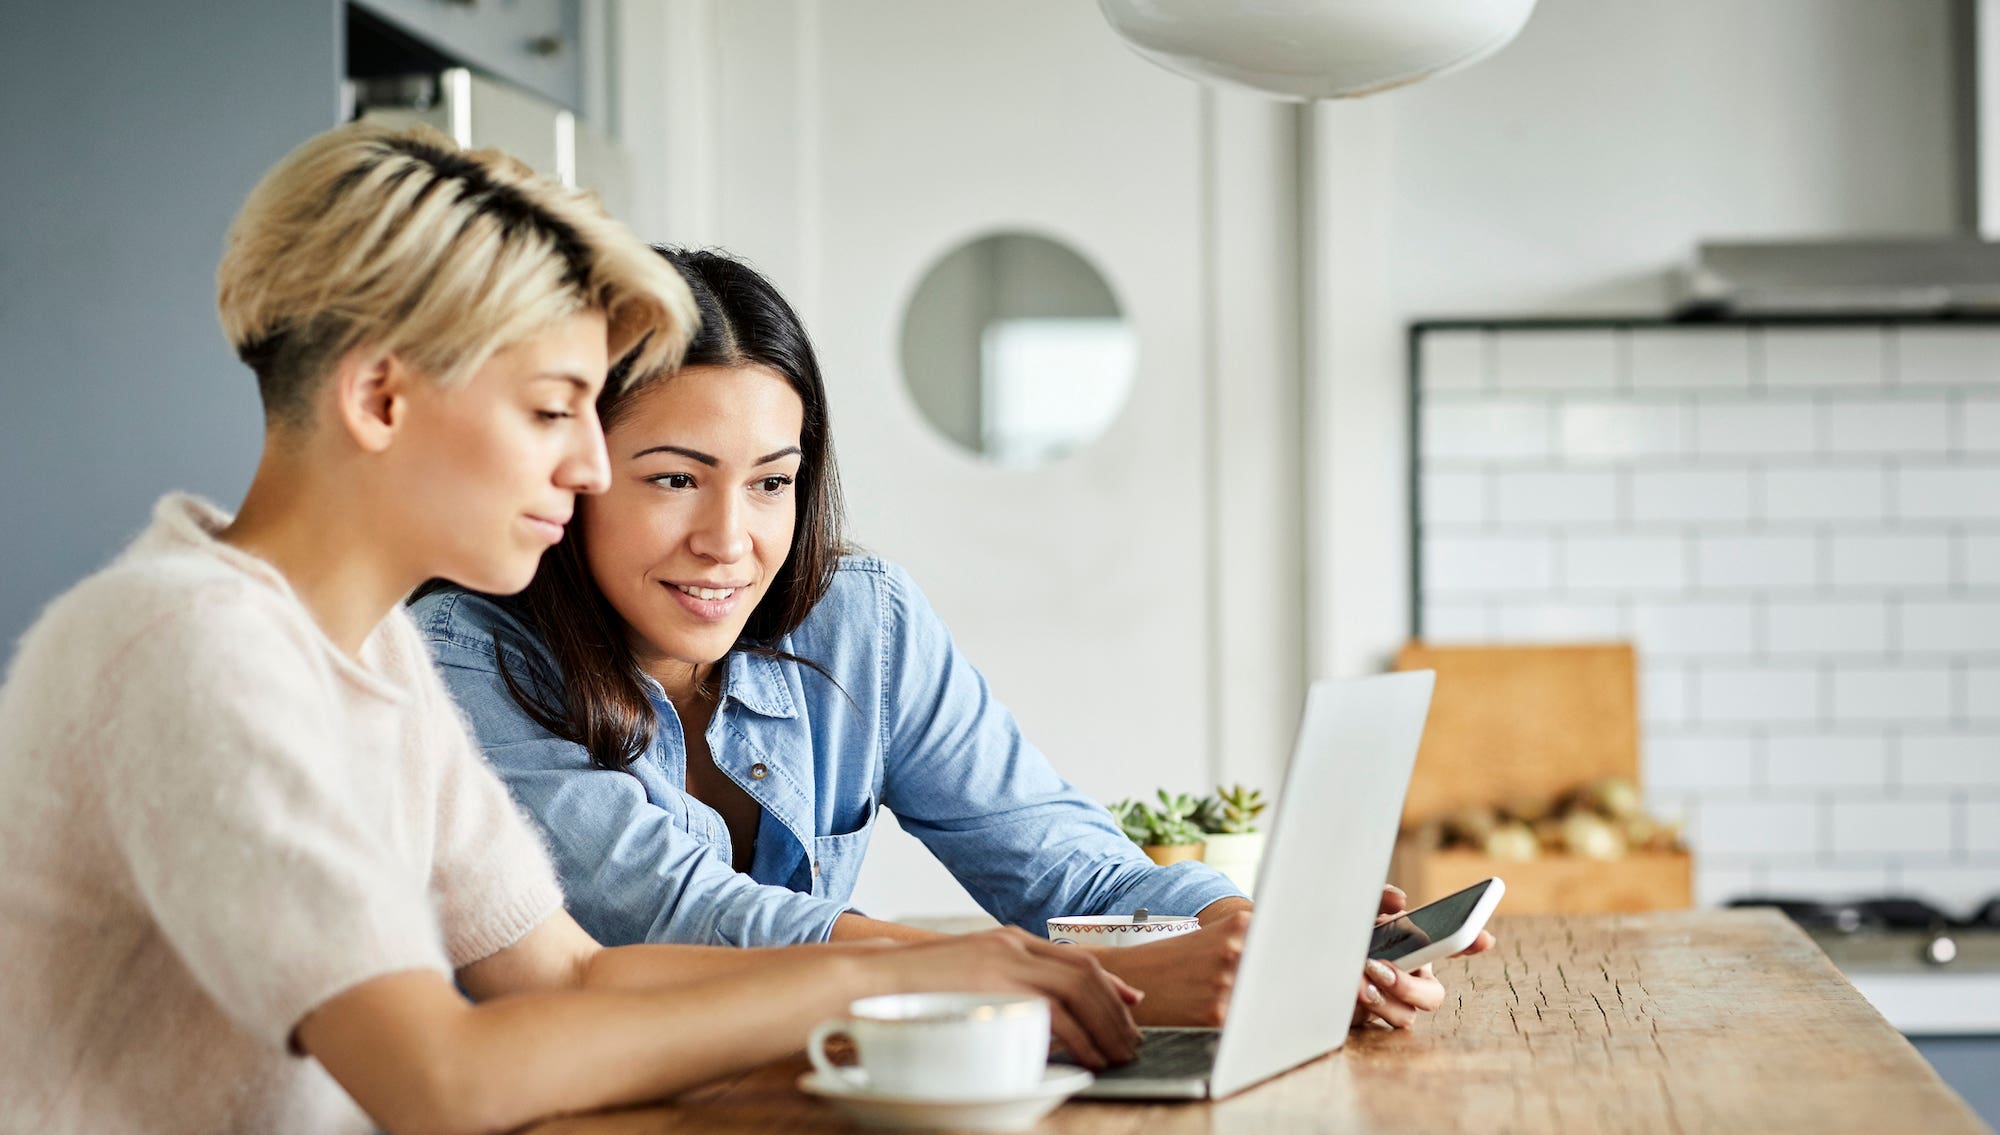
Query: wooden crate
[1552,884]
[1529,723]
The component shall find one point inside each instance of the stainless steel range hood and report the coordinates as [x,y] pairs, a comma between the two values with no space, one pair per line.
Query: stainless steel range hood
[1944,276]
[1948,276]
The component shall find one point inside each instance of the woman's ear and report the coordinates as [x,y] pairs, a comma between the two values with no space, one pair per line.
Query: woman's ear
[370,391]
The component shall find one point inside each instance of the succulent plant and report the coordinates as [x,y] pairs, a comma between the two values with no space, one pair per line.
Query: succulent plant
[1230,811]
[1169,824]
[1132,818]
[1208,814]
[1174,819]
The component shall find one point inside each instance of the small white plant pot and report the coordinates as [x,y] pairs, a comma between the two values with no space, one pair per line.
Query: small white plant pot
[1236,856]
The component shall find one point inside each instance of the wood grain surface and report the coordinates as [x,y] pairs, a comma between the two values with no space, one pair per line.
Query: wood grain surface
[1672,1022]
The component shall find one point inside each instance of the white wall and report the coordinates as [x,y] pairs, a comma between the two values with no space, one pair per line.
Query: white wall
[1566,175]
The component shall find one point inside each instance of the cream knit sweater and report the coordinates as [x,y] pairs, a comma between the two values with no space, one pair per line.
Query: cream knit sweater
[212,821]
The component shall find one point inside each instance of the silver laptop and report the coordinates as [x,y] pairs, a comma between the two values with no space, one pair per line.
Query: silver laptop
[1318,891]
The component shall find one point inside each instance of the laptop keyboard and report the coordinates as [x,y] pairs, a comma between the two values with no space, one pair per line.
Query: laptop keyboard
[1170,1054]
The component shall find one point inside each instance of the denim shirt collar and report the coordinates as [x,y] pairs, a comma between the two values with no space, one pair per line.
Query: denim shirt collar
[757,683]
[753,681]
[774,754]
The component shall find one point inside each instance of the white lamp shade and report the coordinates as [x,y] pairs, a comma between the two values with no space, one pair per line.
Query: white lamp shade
[1316,49]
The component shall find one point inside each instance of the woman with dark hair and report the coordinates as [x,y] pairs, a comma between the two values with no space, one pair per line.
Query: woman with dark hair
[703,698]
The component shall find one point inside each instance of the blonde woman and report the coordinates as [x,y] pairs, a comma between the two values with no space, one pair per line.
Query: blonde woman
[257,876]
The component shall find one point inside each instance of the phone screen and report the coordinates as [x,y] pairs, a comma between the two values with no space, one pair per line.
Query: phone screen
[1418,928]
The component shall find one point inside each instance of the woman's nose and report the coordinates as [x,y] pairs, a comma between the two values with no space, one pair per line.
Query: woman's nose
[721,535]
[587,468]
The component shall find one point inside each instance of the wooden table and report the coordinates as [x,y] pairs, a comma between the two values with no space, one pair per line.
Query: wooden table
[1697,1021]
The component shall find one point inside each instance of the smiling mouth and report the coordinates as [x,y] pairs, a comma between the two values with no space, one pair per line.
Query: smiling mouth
[709,593]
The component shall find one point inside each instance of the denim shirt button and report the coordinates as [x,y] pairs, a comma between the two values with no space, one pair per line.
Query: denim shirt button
[815,868]
[758,772]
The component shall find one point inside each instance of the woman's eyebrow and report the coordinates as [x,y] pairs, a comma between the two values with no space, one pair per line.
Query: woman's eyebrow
[692,454]
[711,462]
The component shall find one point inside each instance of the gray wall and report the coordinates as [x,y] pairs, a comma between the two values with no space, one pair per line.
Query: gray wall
[132,131]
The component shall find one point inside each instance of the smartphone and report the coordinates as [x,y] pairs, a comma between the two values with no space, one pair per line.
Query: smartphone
[1436,931]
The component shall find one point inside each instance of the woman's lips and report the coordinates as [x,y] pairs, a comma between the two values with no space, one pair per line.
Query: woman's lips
[707,610]
[547,529]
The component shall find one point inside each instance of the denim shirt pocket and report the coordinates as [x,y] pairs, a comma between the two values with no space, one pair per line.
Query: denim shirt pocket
[837,858]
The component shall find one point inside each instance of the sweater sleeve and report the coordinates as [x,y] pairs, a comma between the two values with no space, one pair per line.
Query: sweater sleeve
[223,768]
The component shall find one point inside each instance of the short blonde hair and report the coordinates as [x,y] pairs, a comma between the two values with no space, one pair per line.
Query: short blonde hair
[396,237]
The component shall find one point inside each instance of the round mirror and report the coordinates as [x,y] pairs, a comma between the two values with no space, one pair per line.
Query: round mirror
[1015,348]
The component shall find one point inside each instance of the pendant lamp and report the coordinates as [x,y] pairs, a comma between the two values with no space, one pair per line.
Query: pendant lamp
[1316,49]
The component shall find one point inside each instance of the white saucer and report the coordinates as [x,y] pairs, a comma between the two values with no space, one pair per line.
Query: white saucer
[1003,1113]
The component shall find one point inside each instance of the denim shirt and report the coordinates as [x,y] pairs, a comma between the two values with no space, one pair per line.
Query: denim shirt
[910,726]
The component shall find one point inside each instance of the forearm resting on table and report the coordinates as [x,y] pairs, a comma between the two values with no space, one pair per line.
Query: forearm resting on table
[852,927]
[1223,908]
[667,966]
[419,1058]
[655,967]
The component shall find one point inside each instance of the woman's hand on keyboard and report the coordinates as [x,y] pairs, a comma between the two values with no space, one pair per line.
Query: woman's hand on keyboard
[1187,978]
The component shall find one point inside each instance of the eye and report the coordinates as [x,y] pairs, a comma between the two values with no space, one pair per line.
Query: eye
[673,480]
[775,485]
[553,415]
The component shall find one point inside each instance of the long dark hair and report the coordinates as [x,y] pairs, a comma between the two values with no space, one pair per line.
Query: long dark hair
[595,696]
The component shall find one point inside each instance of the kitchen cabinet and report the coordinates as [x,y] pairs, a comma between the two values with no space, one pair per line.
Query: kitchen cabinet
[535,44]
[1971,1065]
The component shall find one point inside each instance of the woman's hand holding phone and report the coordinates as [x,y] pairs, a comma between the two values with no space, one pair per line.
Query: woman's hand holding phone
[1391,998]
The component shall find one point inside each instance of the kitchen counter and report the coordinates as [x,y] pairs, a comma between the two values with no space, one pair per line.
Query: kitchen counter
[1688,1021]
[1921,998]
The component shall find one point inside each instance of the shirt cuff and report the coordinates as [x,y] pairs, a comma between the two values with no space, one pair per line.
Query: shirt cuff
[1182,888]
[787,918]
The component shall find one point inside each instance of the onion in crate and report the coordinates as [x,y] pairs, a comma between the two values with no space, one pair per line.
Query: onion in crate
[1512,840]
[1592,836]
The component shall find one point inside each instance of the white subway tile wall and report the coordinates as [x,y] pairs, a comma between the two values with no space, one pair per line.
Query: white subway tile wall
[1810,358]
[1535,360]
[1798,525]
[1692,495]
[1979,425]
[1742,427]
[1828,491]
[1530,497]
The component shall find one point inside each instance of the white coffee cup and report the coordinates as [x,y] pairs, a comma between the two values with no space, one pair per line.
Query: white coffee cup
[1119,929]
[940,1045]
